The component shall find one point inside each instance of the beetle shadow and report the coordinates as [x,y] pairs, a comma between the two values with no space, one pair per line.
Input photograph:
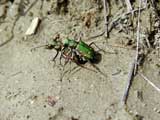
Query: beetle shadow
[97,58]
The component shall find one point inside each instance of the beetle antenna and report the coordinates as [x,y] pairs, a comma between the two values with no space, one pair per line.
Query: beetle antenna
[80,36]
[38,47]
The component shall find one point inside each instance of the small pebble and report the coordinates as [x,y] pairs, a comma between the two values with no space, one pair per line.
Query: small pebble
[131,111]
[138,117]
[158,111]
[73,118]
[28,116]
[144,105]
[155,109]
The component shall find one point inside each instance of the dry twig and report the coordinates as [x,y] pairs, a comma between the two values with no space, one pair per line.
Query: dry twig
[133,69]
[138,36]
[106,16]
[129,81]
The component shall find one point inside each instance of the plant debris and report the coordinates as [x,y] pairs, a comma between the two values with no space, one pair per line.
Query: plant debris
[33,26]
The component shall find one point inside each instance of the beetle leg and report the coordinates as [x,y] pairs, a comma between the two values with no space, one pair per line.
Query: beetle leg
[60,59]
[99,49]
[79,61]
[61,56]
[84,67]
[80,57]
[55,56]
[67,56]
[72,55]
[66,62]
[98,70]
[53,59]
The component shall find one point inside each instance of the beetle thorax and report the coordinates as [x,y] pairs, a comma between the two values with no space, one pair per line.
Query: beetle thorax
[69,43]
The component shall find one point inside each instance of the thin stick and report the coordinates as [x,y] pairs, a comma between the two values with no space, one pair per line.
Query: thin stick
[138,37]
[133,69]
[129,81]
[151,83]
[106,15]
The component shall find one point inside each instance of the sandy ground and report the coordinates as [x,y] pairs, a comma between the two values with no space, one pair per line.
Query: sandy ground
[28,77]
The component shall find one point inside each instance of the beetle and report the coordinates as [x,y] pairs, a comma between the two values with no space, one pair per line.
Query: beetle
[84,53]
[76,51]
[83,50]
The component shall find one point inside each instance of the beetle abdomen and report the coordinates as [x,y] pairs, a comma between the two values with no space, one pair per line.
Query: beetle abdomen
[85,50]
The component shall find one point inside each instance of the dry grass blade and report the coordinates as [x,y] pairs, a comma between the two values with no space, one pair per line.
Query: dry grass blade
[151,83]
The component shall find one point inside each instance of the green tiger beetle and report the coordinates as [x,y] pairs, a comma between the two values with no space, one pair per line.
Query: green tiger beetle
[82,50]
[76,51]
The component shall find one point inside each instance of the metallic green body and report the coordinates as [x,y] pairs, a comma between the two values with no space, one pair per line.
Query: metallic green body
[70,43]
[85,50]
